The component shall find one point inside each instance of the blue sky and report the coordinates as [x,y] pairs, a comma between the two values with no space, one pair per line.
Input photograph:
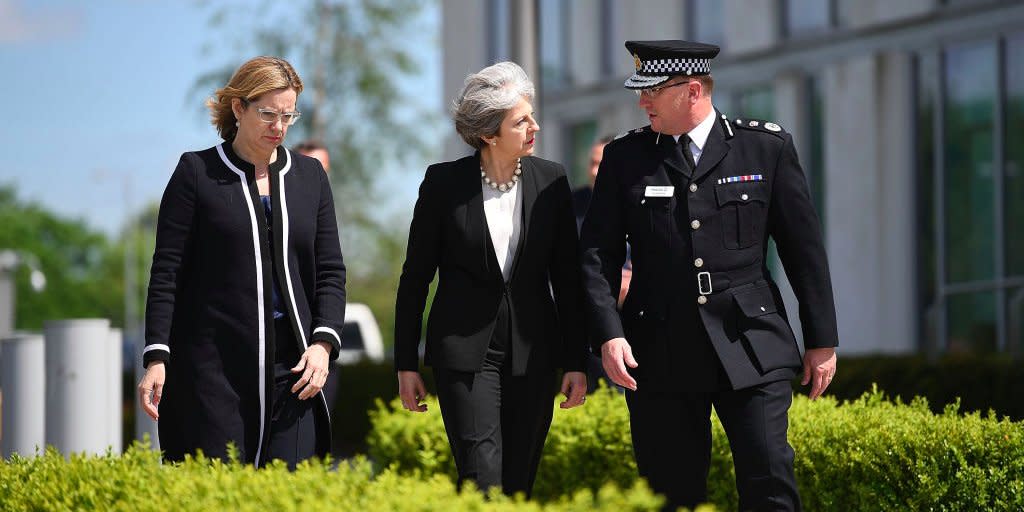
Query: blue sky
[97,95]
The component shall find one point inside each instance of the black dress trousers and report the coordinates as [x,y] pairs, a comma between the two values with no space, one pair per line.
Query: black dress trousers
[496,422]
[292,428]
[755,421]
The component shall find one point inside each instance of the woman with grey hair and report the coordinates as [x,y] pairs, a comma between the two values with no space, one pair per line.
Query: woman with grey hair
[497,227]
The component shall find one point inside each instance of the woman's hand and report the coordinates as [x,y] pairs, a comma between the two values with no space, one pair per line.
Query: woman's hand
[313,365]
[412,391]
[151,388]
[574,387]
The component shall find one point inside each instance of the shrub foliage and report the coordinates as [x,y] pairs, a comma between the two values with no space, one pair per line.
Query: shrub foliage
[868,454]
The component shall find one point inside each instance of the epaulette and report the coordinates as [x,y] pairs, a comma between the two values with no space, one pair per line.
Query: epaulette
[759,125]
[634,131]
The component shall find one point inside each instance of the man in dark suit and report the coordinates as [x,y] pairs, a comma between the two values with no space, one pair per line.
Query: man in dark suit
[697,196]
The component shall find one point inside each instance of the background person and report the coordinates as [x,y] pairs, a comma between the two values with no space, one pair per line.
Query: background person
[247,289]
[315,149]
[494,226]
[704,324]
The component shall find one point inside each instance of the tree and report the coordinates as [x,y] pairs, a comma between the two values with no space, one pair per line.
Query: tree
[82,276]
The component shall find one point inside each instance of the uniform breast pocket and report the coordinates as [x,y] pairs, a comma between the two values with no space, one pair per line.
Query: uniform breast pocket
[646,214]
[743,211]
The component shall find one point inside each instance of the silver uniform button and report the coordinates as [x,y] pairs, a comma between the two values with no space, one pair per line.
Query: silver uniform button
[641,312]
[744,197]
[695,224]
[702,300]
[698,263]
[644,201]
[693,187]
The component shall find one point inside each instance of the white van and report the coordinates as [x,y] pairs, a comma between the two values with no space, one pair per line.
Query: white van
[360,338]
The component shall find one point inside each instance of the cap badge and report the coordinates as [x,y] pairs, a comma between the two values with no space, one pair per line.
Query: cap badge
[636,62]
[773,127]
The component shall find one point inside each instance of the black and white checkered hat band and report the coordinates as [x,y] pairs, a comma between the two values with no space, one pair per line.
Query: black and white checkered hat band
[675,66]
[654,72]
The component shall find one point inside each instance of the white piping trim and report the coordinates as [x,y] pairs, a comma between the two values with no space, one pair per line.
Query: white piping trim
[157,346]
[284,259]
[259,298]
[330,331]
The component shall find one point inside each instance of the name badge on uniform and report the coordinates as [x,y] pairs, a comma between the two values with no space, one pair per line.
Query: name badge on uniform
[653,191]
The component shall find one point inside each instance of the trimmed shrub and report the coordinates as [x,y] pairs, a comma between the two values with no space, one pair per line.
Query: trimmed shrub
[977,383]
[137,481]
[869,454]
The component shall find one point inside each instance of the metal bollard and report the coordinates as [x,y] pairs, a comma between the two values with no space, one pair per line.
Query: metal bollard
[23,383]
[77,404]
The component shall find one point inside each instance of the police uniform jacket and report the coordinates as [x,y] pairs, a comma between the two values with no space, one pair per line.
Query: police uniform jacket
[703,312]
[209,313]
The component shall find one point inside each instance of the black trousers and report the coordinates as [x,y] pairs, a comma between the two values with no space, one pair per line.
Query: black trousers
[292,428]
[672,444]
[496,422]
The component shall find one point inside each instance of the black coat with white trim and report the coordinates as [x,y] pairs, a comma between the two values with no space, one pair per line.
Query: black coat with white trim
[209,312]
[680,333]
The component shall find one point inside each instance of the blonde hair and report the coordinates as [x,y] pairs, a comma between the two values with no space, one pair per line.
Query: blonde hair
[250,81]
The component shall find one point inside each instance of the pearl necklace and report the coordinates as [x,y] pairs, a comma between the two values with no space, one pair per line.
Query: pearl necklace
[504,187]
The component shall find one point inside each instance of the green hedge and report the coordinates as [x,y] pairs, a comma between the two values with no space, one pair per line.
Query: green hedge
[980,383]
[137,481]
[869,454]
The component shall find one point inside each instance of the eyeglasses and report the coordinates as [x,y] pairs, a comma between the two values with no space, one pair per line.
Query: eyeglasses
[271,116]
[650,93]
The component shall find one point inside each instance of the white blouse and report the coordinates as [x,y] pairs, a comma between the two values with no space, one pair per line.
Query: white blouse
[505,222]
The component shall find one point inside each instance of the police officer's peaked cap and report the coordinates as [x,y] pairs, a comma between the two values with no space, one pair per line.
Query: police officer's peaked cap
[657,61]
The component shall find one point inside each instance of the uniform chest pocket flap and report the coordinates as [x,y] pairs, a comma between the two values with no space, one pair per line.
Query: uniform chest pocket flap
[742,207]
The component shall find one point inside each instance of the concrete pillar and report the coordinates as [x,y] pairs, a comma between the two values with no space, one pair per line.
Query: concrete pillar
[114,417]
[23,381]
[869,202]
[77,402]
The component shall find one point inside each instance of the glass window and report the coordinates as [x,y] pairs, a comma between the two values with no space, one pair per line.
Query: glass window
[814,166]
[706,23]
[1015,321]
[606,37]
[1013,178]
[807,16]
[756,103]
[970,82]
[927,73]
[971,322]
[498,35]
[581,138]
[554,28]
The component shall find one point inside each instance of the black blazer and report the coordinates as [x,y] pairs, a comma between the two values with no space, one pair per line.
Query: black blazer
[209,313]
[701,293]
[449,234]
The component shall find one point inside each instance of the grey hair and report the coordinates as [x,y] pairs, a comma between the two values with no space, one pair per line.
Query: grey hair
[486,98]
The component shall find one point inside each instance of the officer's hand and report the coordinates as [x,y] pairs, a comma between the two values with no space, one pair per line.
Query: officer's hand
[616,355]
[819,368]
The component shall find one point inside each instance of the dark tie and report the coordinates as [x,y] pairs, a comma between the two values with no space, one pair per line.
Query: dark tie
[684,147]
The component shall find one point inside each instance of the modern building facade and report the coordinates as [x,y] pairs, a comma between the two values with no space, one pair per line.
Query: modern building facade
[908,116]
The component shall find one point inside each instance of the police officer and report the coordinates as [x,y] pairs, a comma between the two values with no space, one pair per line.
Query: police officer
[697,196]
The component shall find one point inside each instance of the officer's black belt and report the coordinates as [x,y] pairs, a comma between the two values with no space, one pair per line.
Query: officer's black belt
[715,282]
